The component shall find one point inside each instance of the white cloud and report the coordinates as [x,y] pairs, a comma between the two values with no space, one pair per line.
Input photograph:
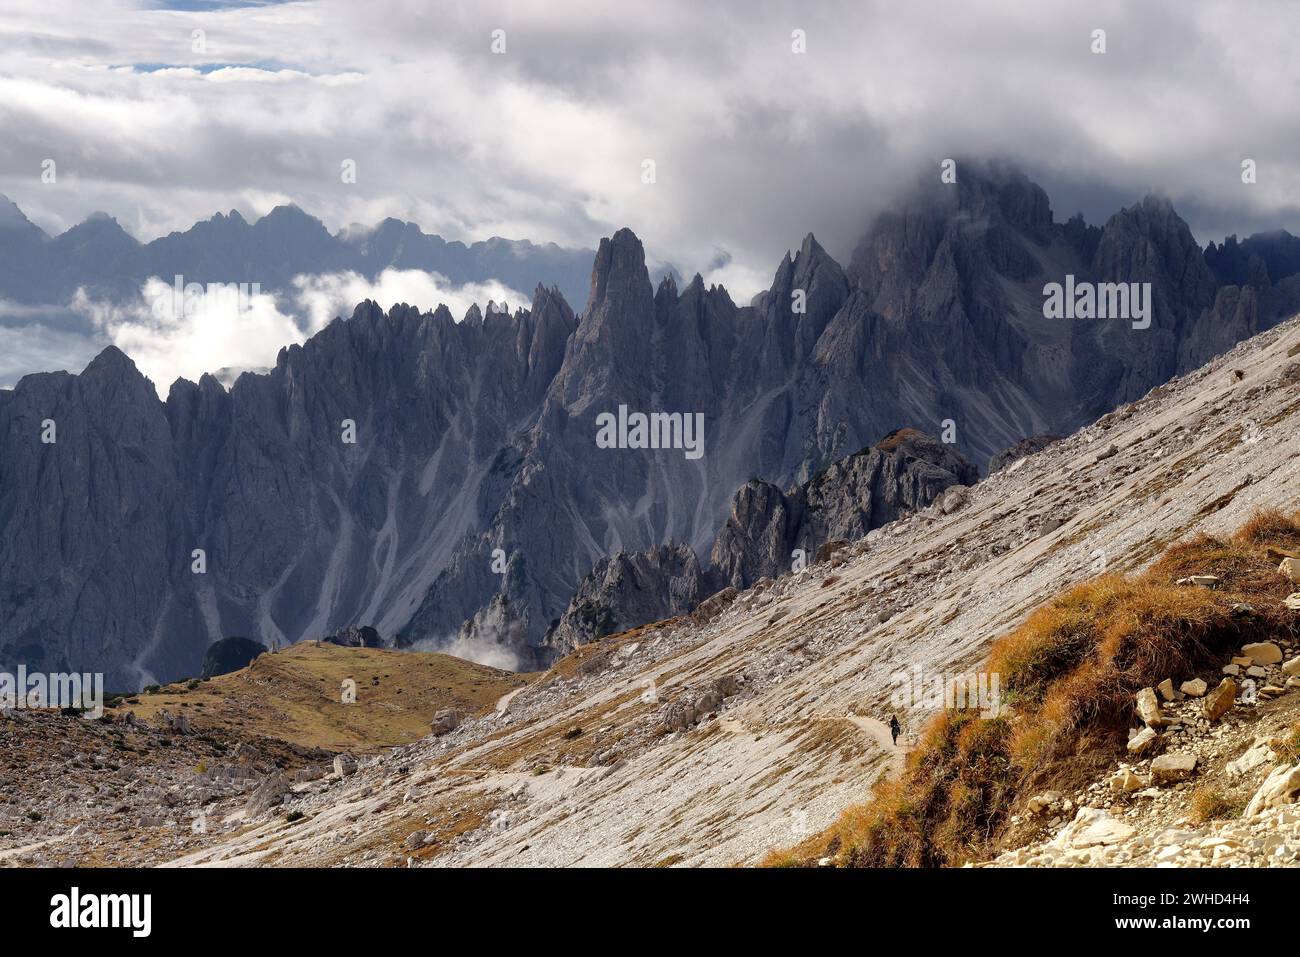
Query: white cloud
[171,336]
[324,296]
[483,651]
[754,145]
[172,333]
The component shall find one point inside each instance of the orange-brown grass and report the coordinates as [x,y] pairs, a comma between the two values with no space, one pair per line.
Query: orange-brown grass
[1069,675]
[1270,527]
[896,438]
[1288,748]
[1211,805]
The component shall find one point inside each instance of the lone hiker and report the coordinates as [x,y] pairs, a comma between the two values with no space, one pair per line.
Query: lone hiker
[894,728]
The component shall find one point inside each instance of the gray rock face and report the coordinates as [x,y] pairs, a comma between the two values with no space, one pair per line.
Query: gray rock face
[630,589]
[302,532]
[363,637]
[475,497]
[229,654]
[1035,443]
[905,471]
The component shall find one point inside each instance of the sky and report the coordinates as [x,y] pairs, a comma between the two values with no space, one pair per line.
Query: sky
[534,120]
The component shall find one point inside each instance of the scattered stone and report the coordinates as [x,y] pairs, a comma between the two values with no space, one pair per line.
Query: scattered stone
[1195,688]
[1143,742]
[1254,757]
[344,765]
[1220,701]
[173,723]
[445,722]
[270,793]
[1148,708]
[1126,782]
[1263,653]
[1166,689]
[828,551]
[1280,787]
[1290,567]
[953,498]
[678,716]
[1172,768]
[1043,802]
[1093,827]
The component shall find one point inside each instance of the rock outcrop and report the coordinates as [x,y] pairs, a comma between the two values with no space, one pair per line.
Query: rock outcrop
[768,533]
[904,472]
[229,654]
[630,589]
[1035,443]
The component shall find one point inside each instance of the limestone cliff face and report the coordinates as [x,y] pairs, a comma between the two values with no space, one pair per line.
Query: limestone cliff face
[630,589]
[475,499]
[904,472]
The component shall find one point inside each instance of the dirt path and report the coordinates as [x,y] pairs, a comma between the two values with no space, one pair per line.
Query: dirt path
[503,703]
[19,851]
[879,732]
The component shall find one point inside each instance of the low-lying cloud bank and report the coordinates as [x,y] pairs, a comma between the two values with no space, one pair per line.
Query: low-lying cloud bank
[174,333]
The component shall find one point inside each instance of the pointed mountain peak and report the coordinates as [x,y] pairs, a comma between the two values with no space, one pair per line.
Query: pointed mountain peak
[367,309]
[546,300]
[1153,211]
[620,264]
[100,224]
[13,218]
[110,356]
[211,384]
[810,248]
[114,365]
[293,217]
[811,258]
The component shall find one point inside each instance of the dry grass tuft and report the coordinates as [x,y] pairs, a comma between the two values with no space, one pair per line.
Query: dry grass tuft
[1210,805]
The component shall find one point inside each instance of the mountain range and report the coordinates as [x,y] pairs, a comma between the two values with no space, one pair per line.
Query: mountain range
[475,503]
[103,259]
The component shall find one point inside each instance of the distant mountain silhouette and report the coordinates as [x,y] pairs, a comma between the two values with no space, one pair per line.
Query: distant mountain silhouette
[101,257]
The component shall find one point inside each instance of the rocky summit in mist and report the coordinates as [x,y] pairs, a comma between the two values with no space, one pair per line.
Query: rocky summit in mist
[475,503]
